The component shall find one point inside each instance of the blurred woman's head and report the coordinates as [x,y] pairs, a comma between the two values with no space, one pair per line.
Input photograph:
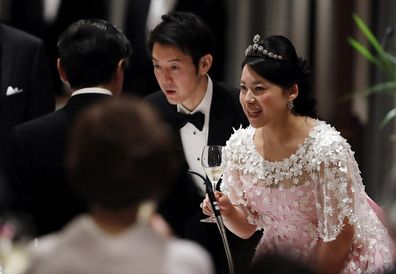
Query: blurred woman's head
[121,154]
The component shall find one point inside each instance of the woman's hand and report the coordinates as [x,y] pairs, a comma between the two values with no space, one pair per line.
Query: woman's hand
[332,255]
[226,207]
[234,218]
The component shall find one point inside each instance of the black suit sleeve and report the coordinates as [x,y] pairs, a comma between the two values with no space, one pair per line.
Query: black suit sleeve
[18,174]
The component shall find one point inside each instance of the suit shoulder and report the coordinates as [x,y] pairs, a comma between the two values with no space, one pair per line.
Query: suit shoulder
[225,95]
[157,98]
[228,88]
[41,125]
[20,36]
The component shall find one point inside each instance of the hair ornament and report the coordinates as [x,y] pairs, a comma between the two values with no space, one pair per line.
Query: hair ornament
[258,50]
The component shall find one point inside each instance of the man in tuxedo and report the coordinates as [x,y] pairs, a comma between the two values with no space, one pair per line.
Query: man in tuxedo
[26,90]
[181,48]
[92,57]
[141,16]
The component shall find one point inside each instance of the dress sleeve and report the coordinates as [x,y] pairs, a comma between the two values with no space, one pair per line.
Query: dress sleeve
[338,190]
[340,196]
[232,185]
[233,188]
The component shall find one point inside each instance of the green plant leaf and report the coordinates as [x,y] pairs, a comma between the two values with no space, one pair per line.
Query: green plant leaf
[389,116]
[387,87]
[383,60]
[367,33]
[390,65]
[359,47]
[390,57]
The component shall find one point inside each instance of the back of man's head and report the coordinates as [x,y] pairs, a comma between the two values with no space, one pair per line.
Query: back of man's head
[89,52]
[121,154]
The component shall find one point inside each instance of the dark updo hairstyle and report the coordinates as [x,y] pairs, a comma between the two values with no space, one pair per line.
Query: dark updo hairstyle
[275,59]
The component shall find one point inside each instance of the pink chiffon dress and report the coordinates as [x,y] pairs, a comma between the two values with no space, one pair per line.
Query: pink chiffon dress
[303,200]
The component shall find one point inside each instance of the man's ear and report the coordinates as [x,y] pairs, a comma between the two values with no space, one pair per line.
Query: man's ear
[121,66]
[119,73]
[61,71]
[205,63]
[118,78]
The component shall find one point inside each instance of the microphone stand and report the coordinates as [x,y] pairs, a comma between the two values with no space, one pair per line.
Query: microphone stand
[219,219]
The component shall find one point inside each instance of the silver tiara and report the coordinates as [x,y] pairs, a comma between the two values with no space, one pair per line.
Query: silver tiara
[256,50]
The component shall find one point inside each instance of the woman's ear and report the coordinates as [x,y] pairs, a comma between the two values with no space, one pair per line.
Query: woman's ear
[205,63]
[293,92]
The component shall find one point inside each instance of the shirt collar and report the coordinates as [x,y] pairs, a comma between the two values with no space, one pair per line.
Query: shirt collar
[92,90]
[204,106]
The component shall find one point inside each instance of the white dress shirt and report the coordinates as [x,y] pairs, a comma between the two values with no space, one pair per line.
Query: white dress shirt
[194,140]
[92,90]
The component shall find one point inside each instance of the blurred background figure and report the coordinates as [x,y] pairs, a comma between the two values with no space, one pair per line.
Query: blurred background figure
[26,90]
[92,57]
[115,173]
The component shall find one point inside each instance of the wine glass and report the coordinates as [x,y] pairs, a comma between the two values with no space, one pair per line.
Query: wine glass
[213,163]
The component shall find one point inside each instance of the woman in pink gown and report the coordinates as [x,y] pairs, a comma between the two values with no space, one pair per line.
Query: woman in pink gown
[294,176]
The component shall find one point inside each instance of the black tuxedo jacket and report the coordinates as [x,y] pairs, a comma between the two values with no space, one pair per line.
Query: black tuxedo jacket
[35,167]
[181,208]
[23,65]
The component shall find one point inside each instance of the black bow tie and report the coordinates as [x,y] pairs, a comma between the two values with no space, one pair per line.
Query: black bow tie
[197,119]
